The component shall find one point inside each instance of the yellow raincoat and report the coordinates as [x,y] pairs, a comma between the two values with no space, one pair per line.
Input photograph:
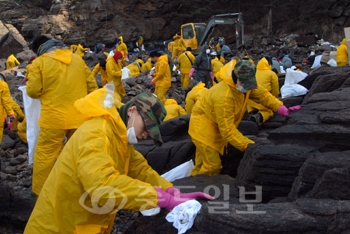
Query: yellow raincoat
[5,105]
[57,78]
[173,109]
[96,173]
[185,62]
[178,47]
[79,50]
[98,69]
[22,130]
[11,62]
[147,66]
[216,65]
[214,121]
[171,46]
[18,114]
[225,72]
[134,69]
[194,95]
[162,80]
[122,47]
[114,73]
[269,80]
[342,54]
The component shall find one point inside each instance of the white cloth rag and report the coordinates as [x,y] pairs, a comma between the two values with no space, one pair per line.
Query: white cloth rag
[183,215]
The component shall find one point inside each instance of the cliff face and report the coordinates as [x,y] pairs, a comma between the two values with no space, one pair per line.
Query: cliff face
[93,21]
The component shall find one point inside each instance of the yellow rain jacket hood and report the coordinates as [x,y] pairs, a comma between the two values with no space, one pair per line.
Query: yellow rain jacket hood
[59,90]
[96,173]
[173,109]
[221,110]
[267,78]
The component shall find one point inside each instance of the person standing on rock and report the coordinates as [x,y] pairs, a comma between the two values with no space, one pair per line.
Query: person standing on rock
[5,105]
[114,73]
[216,116]
[178,46]
[121,46]
[162,77]
[57,77]
[202,67]
[11,62]
[342,54]
[185,62]
[99,171]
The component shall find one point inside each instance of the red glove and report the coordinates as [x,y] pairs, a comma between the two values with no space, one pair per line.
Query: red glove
[195,195]
[191,73]
[151,84]
[282,110]
[294,108]
[167,201]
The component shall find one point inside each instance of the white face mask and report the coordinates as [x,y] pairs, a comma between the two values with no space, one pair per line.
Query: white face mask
[208,51]
[132,139]
[241,89]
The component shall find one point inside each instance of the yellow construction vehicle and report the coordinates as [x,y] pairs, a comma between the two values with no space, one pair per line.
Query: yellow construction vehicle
[195,35]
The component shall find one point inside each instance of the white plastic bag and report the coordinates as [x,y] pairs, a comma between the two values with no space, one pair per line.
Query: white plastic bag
[292,90]
[317,61]
[32,108]
[125,73]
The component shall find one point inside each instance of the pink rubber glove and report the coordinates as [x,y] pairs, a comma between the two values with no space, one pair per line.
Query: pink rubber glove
[195,195]
[151,84]
[211,76]
[294,108]
[282,110]
[24,80]
[9,126]
[191,73]
[167,201]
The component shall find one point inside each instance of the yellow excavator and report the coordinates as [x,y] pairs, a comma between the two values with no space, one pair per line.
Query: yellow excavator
[195,35]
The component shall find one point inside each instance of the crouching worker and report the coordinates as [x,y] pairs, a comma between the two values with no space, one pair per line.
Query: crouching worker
[220,111]
[99,171]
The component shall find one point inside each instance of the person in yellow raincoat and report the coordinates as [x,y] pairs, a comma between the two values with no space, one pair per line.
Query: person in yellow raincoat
[99,171]
[178,46]
[57,77]
[198,89]
[216,64]
[171,47]
[121,46]
[5,105]
[79,50]
[269,80]
[185,62]
[114,73]
[216,116]
[342,54]
[162,77]
[173,109]
[12,61]
[100,68]
[135,68]
[140,43]
[147,66]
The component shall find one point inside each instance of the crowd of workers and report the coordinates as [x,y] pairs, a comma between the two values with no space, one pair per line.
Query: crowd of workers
[87,134]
